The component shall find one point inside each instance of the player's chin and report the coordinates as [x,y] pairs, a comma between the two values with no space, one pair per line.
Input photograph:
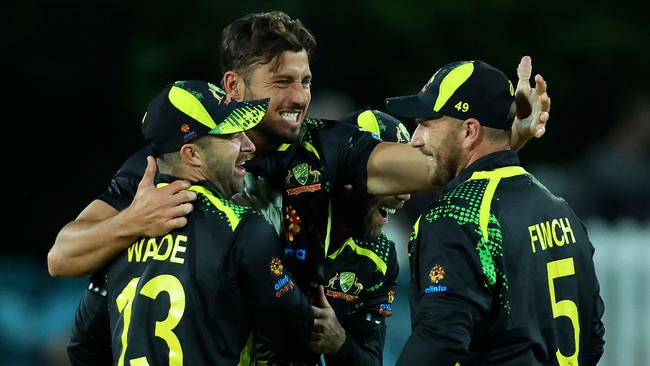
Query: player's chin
[372,231]
[291,132]
[236,186]
[373,226]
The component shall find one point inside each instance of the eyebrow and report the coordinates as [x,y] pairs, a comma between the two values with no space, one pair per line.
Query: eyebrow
[290,77]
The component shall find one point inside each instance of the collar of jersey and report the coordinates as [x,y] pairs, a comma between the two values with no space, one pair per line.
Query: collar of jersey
[492,161]
[164,179]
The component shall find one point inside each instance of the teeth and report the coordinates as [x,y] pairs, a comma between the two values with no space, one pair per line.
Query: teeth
[290,116]
[389,210]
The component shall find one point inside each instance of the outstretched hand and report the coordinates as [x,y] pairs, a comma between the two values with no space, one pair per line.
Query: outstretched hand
[328,335]
[533,106]
[159,210]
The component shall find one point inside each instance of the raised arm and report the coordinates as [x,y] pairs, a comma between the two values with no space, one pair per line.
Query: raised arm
[533,106]
[100,232]
[396,168]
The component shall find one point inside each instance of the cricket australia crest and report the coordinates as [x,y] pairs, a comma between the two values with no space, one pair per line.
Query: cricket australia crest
[301,172]
[346,280]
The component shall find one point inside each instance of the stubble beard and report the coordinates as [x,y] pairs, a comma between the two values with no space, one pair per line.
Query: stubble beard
[447,159]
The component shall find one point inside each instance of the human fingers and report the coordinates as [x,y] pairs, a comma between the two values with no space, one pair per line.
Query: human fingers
[524,108]
[149,173]
[183,196]
[322,299]
[540,85]
[176,223]
[180,210]
[318,312]
[176,186]
[524,71]
[540,125]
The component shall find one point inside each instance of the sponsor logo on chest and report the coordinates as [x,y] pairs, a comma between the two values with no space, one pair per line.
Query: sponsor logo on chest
[347,282]
[302,178]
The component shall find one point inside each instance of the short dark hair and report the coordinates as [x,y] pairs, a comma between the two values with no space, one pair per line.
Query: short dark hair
[260,37]
[500,135]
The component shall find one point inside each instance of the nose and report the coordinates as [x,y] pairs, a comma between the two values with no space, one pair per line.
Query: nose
[403,197]
[417,139]
[247,145]
[300,95]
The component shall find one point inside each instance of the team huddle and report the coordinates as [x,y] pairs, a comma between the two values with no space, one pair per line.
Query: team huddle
[247,233]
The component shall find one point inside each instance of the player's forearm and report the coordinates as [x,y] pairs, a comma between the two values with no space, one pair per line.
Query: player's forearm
[398,168]
[84,246]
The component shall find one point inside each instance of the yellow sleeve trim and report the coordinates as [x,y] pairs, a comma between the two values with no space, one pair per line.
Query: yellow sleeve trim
[305,144]
[494,177]
[310,147]
[416,227]
[329,226]
[283,147]
[245,358]
[381,265]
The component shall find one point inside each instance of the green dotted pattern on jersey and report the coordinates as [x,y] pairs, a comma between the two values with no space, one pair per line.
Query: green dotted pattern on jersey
[413,236]
[308,125]
[462,204]
[237,209]
[380,245]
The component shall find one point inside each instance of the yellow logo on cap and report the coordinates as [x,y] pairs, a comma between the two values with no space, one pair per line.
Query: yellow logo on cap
[451,82]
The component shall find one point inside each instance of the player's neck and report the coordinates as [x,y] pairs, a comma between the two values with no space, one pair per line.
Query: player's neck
[482,150]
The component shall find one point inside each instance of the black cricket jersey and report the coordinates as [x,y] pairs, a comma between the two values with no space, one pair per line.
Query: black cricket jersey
[502,274]
[361,281]
[194,295]
[327,154]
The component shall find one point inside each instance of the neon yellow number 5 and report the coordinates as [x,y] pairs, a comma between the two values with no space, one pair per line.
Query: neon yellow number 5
[164,329]
[561,268]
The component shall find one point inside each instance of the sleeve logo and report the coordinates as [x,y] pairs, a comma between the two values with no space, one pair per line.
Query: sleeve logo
[276,266]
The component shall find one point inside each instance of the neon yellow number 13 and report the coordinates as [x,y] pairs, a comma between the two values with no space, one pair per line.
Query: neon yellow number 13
[164,329]
[562,268]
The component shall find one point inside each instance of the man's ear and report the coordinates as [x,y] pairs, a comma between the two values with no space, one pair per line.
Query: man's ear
[233,85]
[191,154]
[473,133]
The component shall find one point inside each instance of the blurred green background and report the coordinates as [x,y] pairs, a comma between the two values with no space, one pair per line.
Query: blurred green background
[79,74]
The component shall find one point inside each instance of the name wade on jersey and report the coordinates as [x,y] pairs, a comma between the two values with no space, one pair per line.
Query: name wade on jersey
[302,178]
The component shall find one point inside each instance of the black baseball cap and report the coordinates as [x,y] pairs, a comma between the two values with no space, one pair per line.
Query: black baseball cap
[186,110]
[381,125]
[462,90]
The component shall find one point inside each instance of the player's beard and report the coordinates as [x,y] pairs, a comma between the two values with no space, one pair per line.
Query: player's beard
[448,157]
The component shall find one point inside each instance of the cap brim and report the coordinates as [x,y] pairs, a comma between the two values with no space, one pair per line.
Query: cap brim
[245,116]
[410,106]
